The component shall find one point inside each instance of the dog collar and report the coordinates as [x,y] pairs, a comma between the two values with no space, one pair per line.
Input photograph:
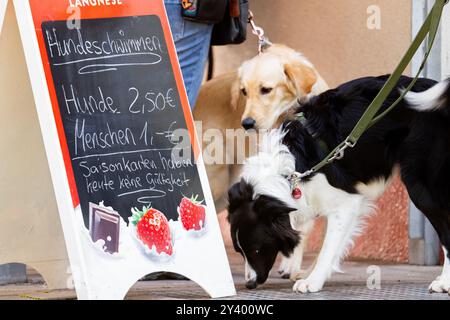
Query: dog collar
[295,178]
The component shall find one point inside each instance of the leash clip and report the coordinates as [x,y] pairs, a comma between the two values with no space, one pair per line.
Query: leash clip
[295,177]
[341,152]
[263,42]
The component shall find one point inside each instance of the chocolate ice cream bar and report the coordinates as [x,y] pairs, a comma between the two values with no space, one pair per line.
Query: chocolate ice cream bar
[104,224]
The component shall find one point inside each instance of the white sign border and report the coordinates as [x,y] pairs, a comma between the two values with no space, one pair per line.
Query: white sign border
[3,5]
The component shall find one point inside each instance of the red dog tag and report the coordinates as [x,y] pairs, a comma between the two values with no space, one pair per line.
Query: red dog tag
[296,193]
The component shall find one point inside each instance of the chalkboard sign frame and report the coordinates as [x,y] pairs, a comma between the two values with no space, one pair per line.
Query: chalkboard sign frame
[210,269]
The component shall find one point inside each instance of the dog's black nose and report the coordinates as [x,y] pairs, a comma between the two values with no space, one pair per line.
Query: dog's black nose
[248,123]
[252,284]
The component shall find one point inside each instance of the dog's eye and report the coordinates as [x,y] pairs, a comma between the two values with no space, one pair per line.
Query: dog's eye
[244,92]
[265,90]
[257,251]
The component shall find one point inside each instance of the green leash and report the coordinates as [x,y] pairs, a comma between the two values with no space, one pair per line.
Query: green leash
[370,118]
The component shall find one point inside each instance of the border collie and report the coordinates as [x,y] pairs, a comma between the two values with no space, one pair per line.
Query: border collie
[413,139]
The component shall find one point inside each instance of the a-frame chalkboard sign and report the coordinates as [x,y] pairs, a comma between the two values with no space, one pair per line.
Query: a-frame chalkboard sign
[121,145]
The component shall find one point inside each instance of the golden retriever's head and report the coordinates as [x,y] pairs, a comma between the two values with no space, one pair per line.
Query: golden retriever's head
[272,83]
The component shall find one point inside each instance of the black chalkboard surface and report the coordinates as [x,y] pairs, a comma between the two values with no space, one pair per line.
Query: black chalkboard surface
[119,106]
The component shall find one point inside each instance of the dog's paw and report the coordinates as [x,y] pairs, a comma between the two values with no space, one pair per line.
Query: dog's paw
[284,274]
[284,269]
[298,275]
[308,285]
[440,285]
[293,273]
[291,269]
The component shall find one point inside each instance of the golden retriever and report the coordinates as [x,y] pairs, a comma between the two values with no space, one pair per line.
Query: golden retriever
[259,96]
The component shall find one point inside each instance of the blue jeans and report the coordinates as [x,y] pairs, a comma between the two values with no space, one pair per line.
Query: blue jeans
[192,42]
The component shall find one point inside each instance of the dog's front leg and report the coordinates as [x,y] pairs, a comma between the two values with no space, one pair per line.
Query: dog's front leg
[291,267]
[283,270]
[295,263]
[341,224]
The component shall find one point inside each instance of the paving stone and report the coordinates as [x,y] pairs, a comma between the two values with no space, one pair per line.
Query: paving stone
[398,282]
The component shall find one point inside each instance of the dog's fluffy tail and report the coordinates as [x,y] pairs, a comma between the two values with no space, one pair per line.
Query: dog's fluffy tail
[437,97]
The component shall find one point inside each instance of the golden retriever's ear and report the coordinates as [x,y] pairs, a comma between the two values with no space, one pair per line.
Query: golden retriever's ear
[235,94]
[301,76]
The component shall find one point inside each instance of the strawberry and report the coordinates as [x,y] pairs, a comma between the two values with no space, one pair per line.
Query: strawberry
[152,228]
[192,214]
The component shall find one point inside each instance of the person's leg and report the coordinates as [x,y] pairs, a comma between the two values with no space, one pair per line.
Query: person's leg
[192,41]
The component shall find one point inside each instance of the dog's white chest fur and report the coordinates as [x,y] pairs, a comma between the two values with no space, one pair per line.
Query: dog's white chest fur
[324,199]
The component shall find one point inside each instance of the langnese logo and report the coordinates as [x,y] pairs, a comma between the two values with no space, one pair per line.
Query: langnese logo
[94,3]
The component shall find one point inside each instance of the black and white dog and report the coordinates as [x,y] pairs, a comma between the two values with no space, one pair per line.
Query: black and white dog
[413,139]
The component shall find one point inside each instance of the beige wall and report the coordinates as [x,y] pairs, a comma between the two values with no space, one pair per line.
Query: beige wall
[333,34]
